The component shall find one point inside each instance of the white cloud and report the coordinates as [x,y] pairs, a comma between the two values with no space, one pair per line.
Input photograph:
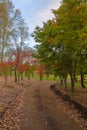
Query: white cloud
[33,18]
[44,14]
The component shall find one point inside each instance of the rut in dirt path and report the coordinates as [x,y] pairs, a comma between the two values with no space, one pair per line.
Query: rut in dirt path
[31,118]
[41,110]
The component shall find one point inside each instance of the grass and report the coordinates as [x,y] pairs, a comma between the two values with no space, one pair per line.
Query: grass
[51,78]
[80,95]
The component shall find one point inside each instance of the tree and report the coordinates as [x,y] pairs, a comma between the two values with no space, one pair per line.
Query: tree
[6,17]
[61,39]
[40,70]
[72,14]
[5,69]
[20,38]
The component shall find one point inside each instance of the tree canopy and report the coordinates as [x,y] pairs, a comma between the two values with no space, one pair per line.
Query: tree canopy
[63,40]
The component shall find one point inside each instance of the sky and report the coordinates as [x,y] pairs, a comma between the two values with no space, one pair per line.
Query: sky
[35,12]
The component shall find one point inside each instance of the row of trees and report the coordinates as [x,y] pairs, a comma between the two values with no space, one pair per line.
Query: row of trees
[14,40]
[63,41]
[27,69]
[15,54]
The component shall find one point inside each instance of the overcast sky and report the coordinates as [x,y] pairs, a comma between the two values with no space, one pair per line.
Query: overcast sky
[35,12]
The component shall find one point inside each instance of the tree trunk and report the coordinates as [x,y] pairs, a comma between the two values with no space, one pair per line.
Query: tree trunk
[65,82]
[41,77]
[5,80]
[21,75]
[55,76]
[72,82]
[28,75]
[16,74]
[47,74]
[2,51]
[82,79]
[75,78]
[61,80]
[32,74]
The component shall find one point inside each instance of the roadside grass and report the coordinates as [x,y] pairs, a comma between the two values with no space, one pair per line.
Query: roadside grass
[51,77]
[80,94]
[77,84]
[57,79]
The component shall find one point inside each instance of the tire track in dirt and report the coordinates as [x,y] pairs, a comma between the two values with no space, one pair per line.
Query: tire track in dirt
[54,109]
[43,110]
[48,121]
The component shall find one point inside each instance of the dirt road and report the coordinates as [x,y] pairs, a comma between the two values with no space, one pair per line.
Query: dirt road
[42,110]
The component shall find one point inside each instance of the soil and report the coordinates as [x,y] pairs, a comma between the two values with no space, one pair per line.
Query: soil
[32,105]
[42,110]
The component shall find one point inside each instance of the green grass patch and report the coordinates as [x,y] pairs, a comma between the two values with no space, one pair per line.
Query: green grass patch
[51,77]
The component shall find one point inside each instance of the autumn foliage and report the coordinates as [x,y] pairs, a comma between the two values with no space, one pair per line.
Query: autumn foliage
[40,70]
[5,69]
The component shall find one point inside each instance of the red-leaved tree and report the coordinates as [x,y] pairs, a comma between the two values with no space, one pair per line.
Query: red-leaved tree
[40,70]
[5,69]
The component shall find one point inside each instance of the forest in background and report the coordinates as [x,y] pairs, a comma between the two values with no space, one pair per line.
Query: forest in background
[61,49]
[63,42]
